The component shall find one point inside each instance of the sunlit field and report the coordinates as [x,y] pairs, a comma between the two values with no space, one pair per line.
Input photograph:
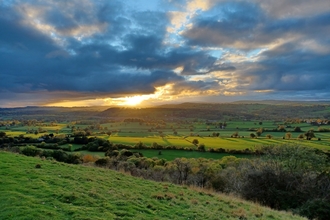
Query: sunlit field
[63,191]
[182,135]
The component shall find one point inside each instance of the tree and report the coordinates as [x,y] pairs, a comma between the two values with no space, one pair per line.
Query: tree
[195,142]
[2,134]
[258,133]
[269,136]
[201,147]
[183,168]
[139,145]
[235,135]
[300,136]
[284,175]
[252,135]
[288,135]
[281,128]
[297,129]
[309,134]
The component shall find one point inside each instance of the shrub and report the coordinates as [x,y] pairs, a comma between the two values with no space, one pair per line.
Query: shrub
[31,151]
[89,158]
[269,136]
[126,153]
[315,209]
[139,145]
[60,155]
[220,150]
[201,147]
[102,162]
[74,158]
[112,153]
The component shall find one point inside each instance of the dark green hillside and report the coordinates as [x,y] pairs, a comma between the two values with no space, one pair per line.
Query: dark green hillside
[61,191]
[222,111]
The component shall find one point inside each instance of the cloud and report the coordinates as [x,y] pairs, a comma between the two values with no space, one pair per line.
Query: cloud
[245,25]
[84,49]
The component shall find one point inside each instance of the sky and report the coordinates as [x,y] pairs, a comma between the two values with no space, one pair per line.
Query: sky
[150,52]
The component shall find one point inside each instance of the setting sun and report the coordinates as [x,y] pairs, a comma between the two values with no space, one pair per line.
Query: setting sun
[133,100]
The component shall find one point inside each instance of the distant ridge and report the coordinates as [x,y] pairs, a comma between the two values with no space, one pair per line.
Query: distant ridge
[282,102]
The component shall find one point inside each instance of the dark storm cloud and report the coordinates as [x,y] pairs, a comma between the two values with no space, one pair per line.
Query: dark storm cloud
[244,25]
[125,56]
[291,67]
[226,24]
[87,49]
[296,49]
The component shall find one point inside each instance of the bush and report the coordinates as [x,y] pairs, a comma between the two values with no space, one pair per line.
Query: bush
[126,153]
[102,162]
[201,147]
[74,158]
[112,153]
[60,155]
[220,150]
[31,151]
[89,158]
[315,209]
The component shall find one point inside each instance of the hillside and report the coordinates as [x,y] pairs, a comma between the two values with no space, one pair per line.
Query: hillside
[225,111]
[243,110]
[62,191]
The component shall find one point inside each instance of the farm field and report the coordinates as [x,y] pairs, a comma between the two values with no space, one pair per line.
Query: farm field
[182,135]
[53,192]
[172,154]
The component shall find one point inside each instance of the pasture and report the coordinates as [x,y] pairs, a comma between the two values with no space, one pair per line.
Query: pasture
[182,134]
[62,191]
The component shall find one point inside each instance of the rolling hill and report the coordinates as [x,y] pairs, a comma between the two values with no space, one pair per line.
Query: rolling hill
[62,191]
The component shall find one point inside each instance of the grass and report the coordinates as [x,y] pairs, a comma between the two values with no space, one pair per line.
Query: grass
[132,133]
[62,191]
[172,154]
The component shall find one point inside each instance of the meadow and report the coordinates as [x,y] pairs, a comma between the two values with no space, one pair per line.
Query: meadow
[183,134]
[199,139]
[62,191]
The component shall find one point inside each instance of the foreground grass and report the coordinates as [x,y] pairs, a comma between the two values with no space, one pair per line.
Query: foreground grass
[62,191]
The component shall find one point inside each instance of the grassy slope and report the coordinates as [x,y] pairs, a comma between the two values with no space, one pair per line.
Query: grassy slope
[62,191]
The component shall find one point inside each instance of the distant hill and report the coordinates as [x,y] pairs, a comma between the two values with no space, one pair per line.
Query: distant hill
[242,110]
[282,102]
[56,113]
[268,110]
[62,191]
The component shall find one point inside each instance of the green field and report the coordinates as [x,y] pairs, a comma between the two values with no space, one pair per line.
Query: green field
[130,133]
[172,154]
[62,191]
